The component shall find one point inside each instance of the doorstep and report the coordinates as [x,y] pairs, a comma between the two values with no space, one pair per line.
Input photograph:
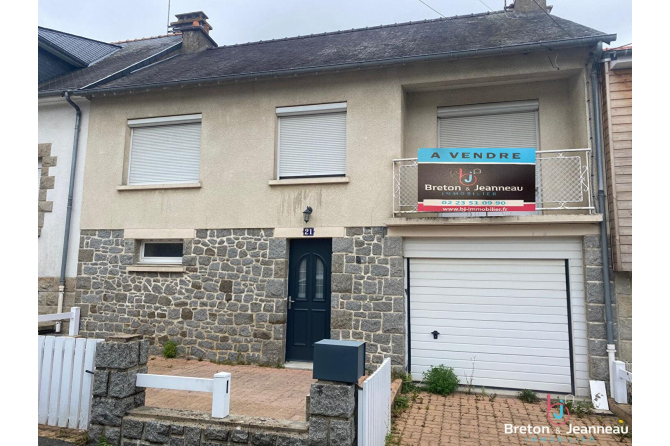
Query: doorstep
[298,365]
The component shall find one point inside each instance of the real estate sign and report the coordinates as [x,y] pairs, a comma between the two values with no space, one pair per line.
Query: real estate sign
[476,180]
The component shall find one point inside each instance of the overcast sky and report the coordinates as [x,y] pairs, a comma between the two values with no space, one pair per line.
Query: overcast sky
[238,21]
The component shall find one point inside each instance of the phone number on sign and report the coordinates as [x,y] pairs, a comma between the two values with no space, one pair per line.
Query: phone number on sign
[472,203]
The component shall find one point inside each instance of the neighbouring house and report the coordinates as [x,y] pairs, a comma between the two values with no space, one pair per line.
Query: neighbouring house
[617,99]
[67,63]
[248,200]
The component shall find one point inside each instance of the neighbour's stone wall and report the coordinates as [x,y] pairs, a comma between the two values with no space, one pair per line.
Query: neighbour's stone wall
[47,297]
[46,182]
[596,328]
[228,305]
[368,293]
[623,288]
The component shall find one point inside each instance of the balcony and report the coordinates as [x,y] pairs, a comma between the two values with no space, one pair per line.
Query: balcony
[562,185]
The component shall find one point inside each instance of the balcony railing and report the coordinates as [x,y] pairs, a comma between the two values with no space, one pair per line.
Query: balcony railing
[562,182]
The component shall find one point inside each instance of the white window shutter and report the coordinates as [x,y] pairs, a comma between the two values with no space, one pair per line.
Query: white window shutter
[165,154]
[512,125]
[312,145]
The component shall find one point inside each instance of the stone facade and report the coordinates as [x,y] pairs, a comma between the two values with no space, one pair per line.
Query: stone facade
[46,182]
[229,304]
[368,301]
[596,328]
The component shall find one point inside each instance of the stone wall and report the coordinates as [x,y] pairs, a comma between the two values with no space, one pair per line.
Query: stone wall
[596,329]
[332,414]
[118,360]
[368,293]
[172,427]
[228,305]
[47,297]
[46,182]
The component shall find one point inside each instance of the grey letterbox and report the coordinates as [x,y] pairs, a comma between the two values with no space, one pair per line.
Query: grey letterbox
[342,361]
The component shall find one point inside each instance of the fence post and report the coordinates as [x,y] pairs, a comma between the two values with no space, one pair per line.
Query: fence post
[74,321]
[117,361]
[620,388]
[221,395]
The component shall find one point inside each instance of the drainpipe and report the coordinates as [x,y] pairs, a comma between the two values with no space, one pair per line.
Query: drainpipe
[597,116]
[68,215]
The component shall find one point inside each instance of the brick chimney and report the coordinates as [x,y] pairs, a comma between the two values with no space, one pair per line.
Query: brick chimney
[194,29]
[531,6]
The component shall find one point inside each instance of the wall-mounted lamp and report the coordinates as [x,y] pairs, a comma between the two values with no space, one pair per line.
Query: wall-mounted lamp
[306,213]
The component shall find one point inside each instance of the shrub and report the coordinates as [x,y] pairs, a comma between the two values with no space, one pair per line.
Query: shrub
[170,349]
[440,380]
[579,408]
[528,396]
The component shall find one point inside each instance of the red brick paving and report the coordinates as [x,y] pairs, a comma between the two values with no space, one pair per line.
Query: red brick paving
[255,391]
[462,419]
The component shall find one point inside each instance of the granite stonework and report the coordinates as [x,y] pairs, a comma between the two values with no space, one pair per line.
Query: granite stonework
[332,413]
[172,427]
[596,328]
[229,304]
[47,298]
[368,293]
[118,360]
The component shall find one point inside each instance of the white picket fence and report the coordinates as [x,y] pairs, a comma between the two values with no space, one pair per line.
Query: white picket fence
[374,407]
[72,316]
[65,380]
[219,387]
[620,378]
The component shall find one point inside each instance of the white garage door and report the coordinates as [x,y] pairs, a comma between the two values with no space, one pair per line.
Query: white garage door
[508,315]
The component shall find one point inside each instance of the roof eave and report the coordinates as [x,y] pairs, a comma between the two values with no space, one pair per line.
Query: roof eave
[582,41]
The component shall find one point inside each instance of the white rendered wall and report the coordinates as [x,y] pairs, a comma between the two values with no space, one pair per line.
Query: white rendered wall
[56,126]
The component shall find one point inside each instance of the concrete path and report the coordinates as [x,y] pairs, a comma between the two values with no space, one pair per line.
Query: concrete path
[255,391]
[462,419]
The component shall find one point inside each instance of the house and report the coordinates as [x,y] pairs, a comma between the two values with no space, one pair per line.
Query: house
[248,200]
[67,63]
[617,100]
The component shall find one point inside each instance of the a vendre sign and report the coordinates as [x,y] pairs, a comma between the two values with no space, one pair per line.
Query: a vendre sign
[476,180]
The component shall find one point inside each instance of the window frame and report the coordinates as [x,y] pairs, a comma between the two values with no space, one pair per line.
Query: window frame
[161,121]
[160,260]
[304,110]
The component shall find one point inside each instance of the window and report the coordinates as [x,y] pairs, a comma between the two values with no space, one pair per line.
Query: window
[162,251]
[312,141]
[164,150]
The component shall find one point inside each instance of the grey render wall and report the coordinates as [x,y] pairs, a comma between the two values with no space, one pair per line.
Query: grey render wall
[230,303]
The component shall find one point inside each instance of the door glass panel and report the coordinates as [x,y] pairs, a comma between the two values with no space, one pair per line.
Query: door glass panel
[302,280]
[319,280]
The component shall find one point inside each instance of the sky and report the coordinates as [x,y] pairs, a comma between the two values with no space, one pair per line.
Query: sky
[239,21]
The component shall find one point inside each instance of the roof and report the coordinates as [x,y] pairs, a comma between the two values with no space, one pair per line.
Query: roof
[80,49]
[621,48]
[129,56]
[487,33]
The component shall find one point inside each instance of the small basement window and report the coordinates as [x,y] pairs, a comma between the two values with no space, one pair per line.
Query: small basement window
[169,252]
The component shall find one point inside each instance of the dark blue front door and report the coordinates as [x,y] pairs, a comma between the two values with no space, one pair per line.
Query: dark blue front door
[309,297]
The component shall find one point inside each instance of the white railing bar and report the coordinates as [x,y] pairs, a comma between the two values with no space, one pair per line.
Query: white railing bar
[571,208]
[219,387]
[175,382]
[73,315]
